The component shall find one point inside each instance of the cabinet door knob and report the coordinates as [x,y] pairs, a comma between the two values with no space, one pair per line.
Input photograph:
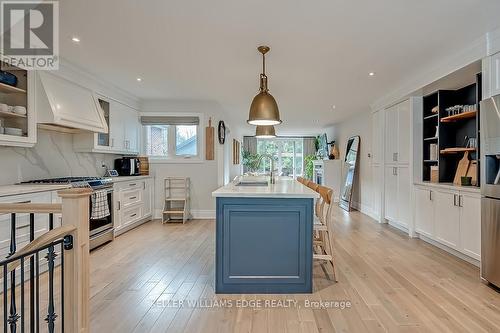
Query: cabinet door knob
[454,199]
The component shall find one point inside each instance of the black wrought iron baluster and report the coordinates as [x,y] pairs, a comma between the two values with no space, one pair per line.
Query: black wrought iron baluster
[22,295]
[37,294]
[5,290]
[62,285]
[51,221]
[51,315]
[13,316]
[32,276]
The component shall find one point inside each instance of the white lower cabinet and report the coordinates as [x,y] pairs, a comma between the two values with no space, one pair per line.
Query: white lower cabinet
[447,226]
[133,200]
[391,193]
[450,217]
[424,212]
[470,225]
[397,195]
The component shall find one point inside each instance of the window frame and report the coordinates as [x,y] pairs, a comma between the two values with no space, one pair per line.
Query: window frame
[172,157]
[294,153]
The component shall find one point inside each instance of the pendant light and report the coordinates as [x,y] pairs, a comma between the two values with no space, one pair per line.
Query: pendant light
[265,132]
[264,109]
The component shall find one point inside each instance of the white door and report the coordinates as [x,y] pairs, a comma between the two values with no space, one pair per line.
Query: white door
[403,196]
[424,211]
[495,74]
[447,221]
[131,129]
[391,196]
[470,225]
[404,132]
[391,134]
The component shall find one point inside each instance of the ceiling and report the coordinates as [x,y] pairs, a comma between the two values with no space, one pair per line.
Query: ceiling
[321,51]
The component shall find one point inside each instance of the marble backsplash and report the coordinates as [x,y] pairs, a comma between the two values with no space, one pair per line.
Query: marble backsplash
[52,156]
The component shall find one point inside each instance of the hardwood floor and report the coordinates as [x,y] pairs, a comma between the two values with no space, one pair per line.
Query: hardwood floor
[394,284]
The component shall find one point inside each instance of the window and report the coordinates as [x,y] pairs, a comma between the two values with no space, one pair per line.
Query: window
[288,155]
[168,137]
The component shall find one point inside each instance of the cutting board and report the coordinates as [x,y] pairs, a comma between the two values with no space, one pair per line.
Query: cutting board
[462,168]
[209,141]
[472,172]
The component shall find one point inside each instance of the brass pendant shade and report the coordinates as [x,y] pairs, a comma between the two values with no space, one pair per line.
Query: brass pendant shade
[264,109]
[265,132]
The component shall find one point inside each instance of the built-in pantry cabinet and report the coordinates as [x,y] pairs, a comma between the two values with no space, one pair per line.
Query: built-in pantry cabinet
[123,136]
[397,150]
[450,217]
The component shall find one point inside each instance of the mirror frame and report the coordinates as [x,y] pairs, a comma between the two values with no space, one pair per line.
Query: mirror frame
[346,198]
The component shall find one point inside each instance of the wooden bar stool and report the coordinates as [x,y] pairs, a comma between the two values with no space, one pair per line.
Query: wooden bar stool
[322,242]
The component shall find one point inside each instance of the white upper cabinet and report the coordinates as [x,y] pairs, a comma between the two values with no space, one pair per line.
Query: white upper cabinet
[70,105]
[404,133]
[124,129]
[391,135]
[377,137]
[495,74]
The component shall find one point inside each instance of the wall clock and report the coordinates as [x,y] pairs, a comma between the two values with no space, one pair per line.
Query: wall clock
[222,132]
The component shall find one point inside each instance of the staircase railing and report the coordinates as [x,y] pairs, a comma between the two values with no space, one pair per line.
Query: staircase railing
[66,252]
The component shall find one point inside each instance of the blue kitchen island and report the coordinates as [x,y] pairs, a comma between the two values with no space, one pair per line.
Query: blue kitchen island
[264,238]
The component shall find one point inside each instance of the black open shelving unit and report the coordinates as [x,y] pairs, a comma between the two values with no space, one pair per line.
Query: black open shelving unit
[451,131]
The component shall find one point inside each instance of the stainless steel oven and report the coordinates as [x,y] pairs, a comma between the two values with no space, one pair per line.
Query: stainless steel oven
[102,230]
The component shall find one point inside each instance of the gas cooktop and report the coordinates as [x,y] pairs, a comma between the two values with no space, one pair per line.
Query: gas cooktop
[92,182]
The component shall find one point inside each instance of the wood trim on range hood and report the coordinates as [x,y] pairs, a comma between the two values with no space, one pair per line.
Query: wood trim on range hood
[63,103]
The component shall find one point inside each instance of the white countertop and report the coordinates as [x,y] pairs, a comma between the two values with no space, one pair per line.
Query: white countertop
[128,178]
[284,188]
[7,190]
[450,186]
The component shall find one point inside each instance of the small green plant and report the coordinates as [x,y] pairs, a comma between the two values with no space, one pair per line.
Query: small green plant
[250,161]
[309,167]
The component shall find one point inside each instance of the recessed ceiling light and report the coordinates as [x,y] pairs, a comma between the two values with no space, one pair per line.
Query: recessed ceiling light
[334,107]
[371,73]
[75,39]
[139,79]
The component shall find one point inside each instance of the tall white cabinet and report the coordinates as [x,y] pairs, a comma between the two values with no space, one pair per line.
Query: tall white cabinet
[377,162]
[397,156]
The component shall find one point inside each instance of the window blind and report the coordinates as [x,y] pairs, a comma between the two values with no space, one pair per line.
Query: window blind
[169,120]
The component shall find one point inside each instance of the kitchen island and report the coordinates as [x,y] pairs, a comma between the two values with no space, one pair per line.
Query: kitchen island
[264,238]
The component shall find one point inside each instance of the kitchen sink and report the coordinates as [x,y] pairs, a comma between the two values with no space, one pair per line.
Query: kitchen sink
[252,183]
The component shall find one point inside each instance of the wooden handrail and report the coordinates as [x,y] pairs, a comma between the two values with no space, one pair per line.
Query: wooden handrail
[39,242]
[37,208]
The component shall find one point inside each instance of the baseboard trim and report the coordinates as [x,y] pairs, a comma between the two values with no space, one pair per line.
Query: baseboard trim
[365,210]
[199,214]
[443,247]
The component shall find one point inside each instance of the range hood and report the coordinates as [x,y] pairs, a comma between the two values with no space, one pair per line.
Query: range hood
[62,105]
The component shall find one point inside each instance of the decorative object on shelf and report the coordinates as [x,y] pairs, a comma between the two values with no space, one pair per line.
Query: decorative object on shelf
[462,168]
[434,174]
[472,172]
[209,141]
[221,131]
[433,152]
[8,78]
[322,146]
[435,109]
[265,132]
[437,132]
[264,109]
[472,143]
[466,181]
[236,151]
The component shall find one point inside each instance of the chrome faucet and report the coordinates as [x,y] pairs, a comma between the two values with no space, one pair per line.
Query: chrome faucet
[273,176]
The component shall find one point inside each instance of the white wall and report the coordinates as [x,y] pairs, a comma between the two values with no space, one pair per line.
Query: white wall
[206,176]
[359,124]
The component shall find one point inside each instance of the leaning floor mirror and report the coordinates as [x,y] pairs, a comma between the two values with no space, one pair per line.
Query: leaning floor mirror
[349,172]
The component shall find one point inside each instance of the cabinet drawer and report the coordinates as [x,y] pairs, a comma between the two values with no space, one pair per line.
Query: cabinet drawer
[131,215]
[131,197]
